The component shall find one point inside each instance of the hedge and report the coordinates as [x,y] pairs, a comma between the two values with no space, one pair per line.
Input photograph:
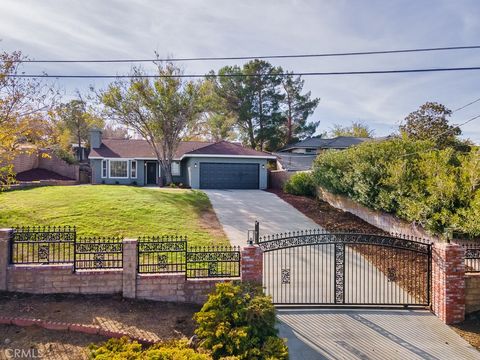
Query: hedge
[438,189]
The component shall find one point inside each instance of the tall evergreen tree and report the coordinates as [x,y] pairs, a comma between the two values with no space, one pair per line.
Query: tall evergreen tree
[297,108]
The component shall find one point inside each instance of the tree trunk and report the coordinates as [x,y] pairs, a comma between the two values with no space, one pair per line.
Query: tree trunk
[167,170]
[289,120]
[260,118]
[80,153]
[251,134]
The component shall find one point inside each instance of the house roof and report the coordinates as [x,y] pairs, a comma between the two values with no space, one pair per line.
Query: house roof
[141,149]
[339,142]
[295,162]
[228,148]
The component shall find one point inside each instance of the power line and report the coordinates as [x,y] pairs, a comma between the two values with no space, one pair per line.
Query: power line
[294,56]
[466,105]
[332,73]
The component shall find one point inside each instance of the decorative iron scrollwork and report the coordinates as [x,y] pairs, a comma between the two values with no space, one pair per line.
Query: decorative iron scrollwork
[226,256]
[162,261]
[99,260]
[285,276]
[44,252]
[472,253]
[212,269]
[170,246]
[276,242]
[392,274]
[339,273]
[99,247]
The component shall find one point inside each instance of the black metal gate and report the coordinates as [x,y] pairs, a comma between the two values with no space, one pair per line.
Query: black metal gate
[318,268]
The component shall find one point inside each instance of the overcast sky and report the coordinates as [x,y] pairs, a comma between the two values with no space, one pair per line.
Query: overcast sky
[93,29]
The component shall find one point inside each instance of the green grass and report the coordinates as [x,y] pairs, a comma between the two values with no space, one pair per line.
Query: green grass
[104,210]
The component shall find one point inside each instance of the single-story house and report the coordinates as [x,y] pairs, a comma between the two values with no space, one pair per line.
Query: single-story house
[200,165]
[316,145]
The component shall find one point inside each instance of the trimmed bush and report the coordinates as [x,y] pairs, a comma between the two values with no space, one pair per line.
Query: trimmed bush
[239,320]
[120,349]
[301,183]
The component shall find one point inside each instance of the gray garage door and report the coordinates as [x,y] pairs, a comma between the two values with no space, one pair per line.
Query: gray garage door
[228,176]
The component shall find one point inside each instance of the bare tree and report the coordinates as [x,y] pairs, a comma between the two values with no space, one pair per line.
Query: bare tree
[161,110]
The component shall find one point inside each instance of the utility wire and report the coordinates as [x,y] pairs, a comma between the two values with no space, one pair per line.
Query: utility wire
[466,105]
[294,56]
[332,73]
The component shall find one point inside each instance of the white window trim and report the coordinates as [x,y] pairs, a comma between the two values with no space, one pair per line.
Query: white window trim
[106,169]
[136,168]
[118,177]
[179,173]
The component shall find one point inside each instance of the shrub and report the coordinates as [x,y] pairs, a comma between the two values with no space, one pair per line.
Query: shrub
[239,320]
[65,155]
[119,349]
[301,183]
[434,188]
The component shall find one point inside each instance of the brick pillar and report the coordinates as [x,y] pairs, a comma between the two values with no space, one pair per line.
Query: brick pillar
[129,268]
[5,235]
[252,264]
[448,282]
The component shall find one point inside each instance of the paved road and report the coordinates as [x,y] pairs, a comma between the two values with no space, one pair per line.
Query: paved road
[370,334]
[237,211]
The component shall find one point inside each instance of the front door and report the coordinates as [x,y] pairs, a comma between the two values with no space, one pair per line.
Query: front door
[151,171]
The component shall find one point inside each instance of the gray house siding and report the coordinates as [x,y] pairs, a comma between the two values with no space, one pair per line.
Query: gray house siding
[189,173]
[183,178]
[194,171]
[96,165]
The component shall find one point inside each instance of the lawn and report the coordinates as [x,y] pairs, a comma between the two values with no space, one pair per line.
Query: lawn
[125,211]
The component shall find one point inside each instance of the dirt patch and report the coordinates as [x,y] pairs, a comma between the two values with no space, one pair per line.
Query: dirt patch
[40,174]
[327,216]
[470,329]
[148,319]
[209,222]
[40,343]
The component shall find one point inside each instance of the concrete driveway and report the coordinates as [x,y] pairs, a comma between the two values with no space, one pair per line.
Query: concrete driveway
[237,211]
[370,334]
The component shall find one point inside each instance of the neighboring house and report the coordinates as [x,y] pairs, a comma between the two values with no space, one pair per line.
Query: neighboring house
[294,161]
[80,152]
[200,165]
[317,145]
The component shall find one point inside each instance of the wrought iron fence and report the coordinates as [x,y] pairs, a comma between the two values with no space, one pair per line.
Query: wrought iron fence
[157,254]
[42,244]
[162,254]
[213,261]
[472,255]
[98,253]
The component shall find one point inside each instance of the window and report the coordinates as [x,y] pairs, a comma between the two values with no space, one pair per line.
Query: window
[175,168]
[104,168]
[133,169]
[119,169]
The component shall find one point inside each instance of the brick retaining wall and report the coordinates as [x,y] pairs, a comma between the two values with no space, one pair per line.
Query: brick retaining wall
[62,279]
[25,161]
[34,159]
[384,221]
[51,279]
